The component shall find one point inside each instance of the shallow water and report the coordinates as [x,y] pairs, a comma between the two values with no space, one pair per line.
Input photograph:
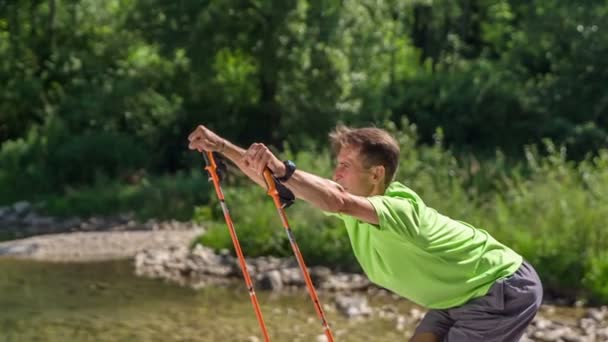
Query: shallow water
[105,302]
[55,302]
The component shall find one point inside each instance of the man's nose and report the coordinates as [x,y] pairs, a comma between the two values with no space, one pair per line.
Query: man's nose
[337,175]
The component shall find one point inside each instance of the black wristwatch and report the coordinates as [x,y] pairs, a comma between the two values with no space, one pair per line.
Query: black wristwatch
[290,168]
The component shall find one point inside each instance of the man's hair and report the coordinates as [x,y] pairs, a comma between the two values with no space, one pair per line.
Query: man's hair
[376,146]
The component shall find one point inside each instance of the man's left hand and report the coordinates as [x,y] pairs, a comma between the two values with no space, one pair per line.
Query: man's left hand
[258,157]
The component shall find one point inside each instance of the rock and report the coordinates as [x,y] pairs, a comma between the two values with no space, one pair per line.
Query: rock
[271,281]
[548,309]
[586,323]
[22,220]
[11,218]
[573,337]
[18,250]
[126,217]
[525,338]
[353,306]
[42,222]
[401,322]
[71,222]
[416,314]
[292,277]
[29,217]
[321,338]
[551,335]
[541,323]
[21,208]
[4,211]
[540,335]
[210,263]
[319,275]
[346,282]
[599,315]
[267,263]
[151,225]
[569,335]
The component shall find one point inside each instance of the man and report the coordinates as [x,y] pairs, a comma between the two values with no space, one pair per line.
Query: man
[475,288]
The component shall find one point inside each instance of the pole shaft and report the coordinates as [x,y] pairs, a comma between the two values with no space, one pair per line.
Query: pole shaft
[212,169]
[272,191]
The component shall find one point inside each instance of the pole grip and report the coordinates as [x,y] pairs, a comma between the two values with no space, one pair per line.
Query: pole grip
[270,184]
[209,159]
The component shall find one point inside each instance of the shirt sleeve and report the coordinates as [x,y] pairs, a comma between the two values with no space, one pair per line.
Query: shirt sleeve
[398,215]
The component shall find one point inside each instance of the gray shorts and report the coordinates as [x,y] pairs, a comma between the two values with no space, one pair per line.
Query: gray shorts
[501,315]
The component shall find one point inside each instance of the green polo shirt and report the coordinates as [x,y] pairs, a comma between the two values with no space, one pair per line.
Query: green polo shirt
[424,256]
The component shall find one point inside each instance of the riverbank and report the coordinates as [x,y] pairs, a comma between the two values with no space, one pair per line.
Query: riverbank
[96,238]
[57,302]
[160,250]
[165,255]
[94,246]
[202,267]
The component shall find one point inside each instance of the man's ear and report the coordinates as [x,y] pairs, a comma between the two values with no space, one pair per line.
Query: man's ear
[378,173]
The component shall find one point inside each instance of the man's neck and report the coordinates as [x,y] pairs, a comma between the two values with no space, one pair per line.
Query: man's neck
[378,190]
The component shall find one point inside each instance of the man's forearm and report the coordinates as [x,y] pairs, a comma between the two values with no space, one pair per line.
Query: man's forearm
[318,191]
[235,154]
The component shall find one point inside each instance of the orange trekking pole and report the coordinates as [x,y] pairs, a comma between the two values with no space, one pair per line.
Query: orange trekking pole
[212,168]
[277,199]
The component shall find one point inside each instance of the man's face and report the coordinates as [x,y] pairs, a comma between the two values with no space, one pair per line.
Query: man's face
[351,174]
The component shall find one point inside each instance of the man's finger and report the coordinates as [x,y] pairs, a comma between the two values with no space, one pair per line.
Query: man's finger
[250,150]
[261,149]
[259,157]
[200,130]
[192,135]
[247,156]
[263,162]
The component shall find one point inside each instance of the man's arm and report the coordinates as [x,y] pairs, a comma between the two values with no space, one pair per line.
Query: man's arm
[320,192]
[203,139]
[330,196]
[235,154]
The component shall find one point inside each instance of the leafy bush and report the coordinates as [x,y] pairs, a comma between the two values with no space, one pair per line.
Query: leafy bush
[83,159]
[166,197]
[22,171]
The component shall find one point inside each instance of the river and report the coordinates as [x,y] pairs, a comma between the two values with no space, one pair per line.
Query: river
[104,301]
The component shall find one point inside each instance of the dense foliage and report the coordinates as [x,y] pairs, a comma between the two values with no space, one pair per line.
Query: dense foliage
[97,98]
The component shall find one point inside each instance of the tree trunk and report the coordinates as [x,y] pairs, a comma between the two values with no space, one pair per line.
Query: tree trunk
[51,26]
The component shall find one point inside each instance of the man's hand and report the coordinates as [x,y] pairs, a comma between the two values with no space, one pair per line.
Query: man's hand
[252,161]
[258,157]
[203,139]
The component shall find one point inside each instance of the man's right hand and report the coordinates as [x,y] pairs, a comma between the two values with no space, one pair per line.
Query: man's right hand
[203,139]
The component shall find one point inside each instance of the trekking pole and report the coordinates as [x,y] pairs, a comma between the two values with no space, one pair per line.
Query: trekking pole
[274,193]
[212,168]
